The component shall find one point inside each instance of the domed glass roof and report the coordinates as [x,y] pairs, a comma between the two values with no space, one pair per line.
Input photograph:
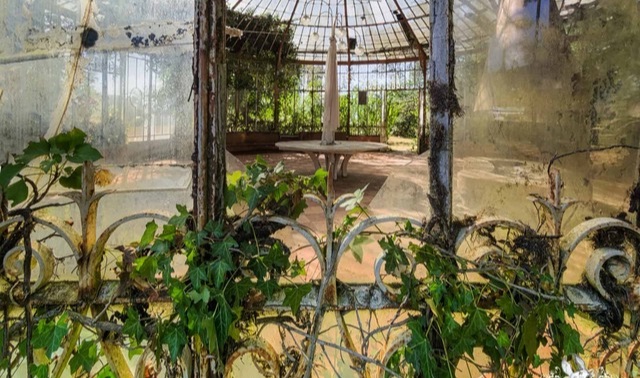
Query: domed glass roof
[373,31]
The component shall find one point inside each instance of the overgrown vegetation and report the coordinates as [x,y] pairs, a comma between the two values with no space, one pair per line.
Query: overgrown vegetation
[24,184]
[234,266]
[510,314]
[253,71]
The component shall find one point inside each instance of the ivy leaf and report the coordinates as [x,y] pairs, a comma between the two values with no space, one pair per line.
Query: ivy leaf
[203,295]
[477,321]
[268,288]
[279,168]
[197,275]
[169,232]
[17,192]
[298,268]
[298,209]
[73,180]
[293,296]
[252,196]
[276,259]
[258,268]
[280,191]
[175,339]
[160,246]
[223,319]
[146,267]
[66,142]
[149,234]
[419,352]
[48,335]
[503,339]
[177,295]
[319,180]
[351,203]
[234,178]
[408,226]
[222,249]
[46,165]
[508,306]
[86,356]
[357,244]
[8,172]
[234,332]
[571,340]
[209,328]
[215,228]
[84,152]
[132,326]
[39,371]
[180,220]
[230,197]
[394,255]
[529,339]
[219,270]
[238,290]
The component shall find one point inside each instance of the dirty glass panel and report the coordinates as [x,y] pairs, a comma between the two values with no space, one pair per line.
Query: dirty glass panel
[121,72]
[550,82]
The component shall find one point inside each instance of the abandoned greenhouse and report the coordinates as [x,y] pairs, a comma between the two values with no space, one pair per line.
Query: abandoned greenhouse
[320,188]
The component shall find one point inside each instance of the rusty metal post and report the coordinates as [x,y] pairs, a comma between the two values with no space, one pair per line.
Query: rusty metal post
[423,134]
[210,88]
[443,102]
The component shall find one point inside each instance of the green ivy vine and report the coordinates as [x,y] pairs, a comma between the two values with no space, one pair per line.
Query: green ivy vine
[234,265]
[508,315]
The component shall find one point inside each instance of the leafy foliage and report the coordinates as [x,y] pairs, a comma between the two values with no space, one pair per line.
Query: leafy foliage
[58,160]
[85,357]
[233,264]
[48,335]
[54,157]
[251,67]
[457,316]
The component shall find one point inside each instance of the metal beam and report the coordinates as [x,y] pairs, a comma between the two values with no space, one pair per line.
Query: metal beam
[357,62]
[422,55]
[210,87]
[444,106]
[346,30]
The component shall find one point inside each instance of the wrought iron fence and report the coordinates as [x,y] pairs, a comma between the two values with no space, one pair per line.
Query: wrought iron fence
[608,292]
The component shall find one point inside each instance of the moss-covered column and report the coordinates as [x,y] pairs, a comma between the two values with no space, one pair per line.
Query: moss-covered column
[444,106]
[210,87]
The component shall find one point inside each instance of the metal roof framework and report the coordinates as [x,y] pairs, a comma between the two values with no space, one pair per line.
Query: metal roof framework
[384,30]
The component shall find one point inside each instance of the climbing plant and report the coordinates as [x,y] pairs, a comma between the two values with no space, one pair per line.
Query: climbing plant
[509,314]
[234,266]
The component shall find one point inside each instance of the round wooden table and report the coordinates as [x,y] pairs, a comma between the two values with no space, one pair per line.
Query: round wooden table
[338,153]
